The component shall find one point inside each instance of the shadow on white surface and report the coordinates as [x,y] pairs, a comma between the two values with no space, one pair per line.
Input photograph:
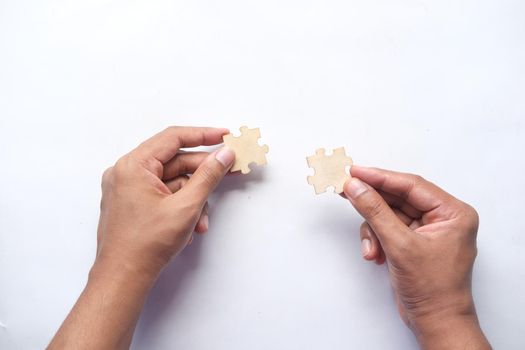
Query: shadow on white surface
[170,289]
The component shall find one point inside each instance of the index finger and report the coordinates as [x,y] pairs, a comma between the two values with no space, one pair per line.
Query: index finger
[165,145]
[421,194]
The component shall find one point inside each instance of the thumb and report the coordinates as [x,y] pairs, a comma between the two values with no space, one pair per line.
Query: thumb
[373,208]
[208,175]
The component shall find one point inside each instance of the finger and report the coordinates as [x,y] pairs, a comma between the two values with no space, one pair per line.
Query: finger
[379,255]
[370,246]
[381,258]
[208,175]
[177,183]
[375,211]
[183,163]
[416,191]
[416,224]
[407,220]
[204,221]
[396,202]
[164,145]
[399,203]
[190,240]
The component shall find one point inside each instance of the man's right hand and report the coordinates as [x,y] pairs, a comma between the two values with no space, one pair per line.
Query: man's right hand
[428,239]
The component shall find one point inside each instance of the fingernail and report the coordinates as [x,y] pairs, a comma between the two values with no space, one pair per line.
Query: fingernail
[206,222]
[365,247]
[225,156]
[354,187]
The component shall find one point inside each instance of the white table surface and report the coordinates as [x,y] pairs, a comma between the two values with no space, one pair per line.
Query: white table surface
[431,87]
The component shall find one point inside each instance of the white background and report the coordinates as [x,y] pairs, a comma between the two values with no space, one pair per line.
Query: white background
[431,87]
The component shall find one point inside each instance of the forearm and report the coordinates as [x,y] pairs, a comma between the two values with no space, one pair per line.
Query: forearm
[107,311]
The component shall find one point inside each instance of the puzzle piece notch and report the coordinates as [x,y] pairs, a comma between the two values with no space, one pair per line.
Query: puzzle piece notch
[247,149]
[329,170]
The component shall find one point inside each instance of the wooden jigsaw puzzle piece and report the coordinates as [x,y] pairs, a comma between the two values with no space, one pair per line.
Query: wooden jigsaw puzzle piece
[247,149]
[329,170]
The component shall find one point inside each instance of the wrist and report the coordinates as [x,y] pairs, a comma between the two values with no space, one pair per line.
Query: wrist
[106,312]
[450,329]
[122,272]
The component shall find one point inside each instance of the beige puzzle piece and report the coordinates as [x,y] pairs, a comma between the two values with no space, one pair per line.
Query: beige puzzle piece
[329,170]
[247,149]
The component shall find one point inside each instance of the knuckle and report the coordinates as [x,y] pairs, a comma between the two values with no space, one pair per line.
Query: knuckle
[178,183]
[152,165]
[363,231]
[120,169]
[473,214]
[209,176]
[417,178]
[471,218]
[106,176]
[172,128]
[119,165]
[414,181]
[180,166]
[373,208]
[183,179]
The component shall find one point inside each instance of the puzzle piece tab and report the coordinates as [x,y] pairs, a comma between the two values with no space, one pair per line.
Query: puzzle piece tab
[247,149]
[329,170]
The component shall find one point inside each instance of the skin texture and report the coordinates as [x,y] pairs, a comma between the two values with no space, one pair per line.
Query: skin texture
[428,239]
[149,210]
[155,198]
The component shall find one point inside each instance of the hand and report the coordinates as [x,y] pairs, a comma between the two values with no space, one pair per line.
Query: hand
[149,210]
[150,207]
[428,239]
